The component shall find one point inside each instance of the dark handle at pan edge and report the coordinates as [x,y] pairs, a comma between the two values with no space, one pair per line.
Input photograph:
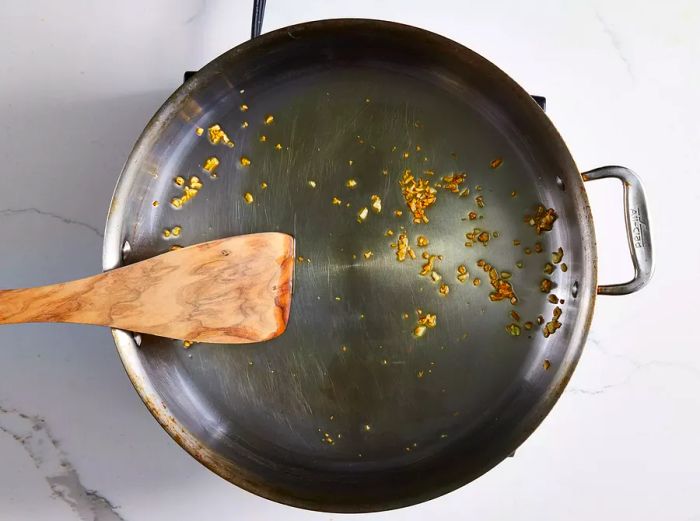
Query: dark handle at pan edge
[257,21]
[637,225]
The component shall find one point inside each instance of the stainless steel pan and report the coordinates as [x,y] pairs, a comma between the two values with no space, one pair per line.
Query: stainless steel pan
[349,410]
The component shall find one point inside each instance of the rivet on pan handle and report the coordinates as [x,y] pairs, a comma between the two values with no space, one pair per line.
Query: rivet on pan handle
[637,224]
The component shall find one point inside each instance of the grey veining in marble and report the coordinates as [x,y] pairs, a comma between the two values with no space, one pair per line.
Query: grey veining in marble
[7,212]
[33,434]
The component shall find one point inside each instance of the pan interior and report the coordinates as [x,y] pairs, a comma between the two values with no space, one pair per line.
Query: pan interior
[348,409]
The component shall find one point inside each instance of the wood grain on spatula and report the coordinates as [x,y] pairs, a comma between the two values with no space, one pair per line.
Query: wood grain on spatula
[236,290]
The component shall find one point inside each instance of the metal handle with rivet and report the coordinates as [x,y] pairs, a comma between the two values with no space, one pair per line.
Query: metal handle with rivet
[637,224]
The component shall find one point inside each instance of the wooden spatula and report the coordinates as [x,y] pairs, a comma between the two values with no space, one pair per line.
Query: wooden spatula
[234,291]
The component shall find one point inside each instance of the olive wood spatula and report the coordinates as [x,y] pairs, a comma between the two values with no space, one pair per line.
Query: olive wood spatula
[236,290]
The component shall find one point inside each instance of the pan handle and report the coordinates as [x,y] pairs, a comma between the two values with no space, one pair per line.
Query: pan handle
[258,14]
[637,224]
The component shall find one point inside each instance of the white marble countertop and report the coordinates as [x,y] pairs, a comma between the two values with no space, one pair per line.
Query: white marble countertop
[79,80]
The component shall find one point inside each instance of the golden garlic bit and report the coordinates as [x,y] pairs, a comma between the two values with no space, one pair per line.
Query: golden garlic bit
[389,232]
[418,194]
[472,216]
[187,344]
[546,364]
[402,248]
[269,119]
[244,107]
[513,329]
[422,241]
[429,267]
[217,135]
[503,290]
[362,215]
[351,184]
[496,163]
[179,181]
[444,289]
[419,331]
[155,204]
[248,197]
[278,146]
[451,182]
[368,254]
[376,203]
[244,124]
[189,191]
[173,232]
[462,273]
[210,166]
[557,256]
[263,185]
[336,202]
[477,235]
[428,320]
[545,285]
[542,220]
[398,213]
[311,183]
[262,138]
[245,162]
[554,324]
[480,201]
[199,131]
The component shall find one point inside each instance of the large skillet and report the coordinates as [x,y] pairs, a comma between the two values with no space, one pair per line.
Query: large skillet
[348,410]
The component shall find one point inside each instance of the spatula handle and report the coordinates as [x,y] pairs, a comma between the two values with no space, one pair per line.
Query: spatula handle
[82,301]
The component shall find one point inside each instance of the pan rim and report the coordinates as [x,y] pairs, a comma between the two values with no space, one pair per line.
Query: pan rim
[127,347]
